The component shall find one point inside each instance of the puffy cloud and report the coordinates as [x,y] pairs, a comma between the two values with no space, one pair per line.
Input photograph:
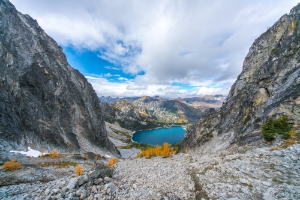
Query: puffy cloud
[201,43]
[129,88]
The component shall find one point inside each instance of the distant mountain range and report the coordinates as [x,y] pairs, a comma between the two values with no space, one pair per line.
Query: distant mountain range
[214,101]
[136,113]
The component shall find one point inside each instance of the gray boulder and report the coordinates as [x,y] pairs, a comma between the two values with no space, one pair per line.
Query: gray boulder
[101,171]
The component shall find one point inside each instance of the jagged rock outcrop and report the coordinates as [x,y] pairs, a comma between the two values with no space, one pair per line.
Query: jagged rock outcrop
[127,116]
[44,102]
[268,86]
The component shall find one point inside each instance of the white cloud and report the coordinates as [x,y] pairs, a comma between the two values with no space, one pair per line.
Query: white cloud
[122,79]
[212,91]
[103,87]
[112,68]
[201,43]
[107,75]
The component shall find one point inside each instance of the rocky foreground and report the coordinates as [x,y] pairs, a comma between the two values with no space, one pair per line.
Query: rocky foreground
[240,173]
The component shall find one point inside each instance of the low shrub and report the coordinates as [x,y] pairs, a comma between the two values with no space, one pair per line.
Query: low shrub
[247,118]
[165,151]
[276,126]
[12,165]
[54,154]
[285,136]
[111,162]
[78,170]
[186,150]
[290,141]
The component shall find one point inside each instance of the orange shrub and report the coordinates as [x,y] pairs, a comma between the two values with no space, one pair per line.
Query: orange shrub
[167,151]
[54,154]
[78,170]
[164,151]
[186,150]
[12,165]
[111,162]
[158,150]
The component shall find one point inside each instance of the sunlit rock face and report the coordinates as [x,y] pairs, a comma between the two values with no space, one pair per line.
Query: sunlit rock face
[269,85]
[44,102]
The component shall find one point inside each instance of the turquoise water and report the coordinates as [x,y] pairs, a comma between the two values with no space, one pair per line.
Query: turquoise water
[158,136]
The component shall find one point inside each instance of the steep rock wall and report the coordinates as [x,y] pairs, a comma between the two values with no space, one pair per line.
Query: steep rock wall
[269,85]
[44,102]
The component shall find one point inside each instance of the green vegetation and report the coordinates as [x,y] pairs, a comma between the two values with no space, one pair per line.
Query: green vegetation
[247,118]
[276,126]
[294,51]
[275,180]
[141,146]
[121,132]
[209,135]
[275,51]
[188,127]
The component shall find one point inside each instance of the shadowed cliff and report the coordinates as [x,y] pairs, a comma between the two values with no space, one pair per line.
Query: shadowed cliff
[44,102]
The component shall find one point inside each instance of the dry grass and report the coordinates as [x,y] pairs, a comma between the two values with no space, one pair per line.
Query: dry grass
[294,139]
[97,157]
[58,164]
[111,162]
[78,170]
[12,165]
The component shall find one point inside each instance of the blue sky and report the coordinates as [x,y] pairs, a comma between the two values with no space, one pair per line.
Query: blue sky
[170,48]
[92,65]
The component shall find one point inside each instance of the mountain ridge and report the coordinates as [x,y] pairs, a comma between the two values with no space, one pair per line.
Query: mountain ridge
[151,112]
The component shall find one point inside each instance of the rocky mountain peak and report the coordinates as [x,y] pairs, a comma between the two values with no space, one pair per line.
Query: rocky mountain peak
[44,102]
[268,86]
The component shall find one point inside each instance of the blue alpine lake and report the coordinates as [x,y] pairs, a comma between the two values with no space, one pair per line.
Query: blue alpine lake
[158,136]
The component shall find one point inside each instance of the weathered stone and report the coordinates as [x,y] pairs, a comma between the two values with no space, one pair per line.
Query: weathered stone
[83,179]
[98,181]
[82,196]
[107,179]
[26,175]
[72,183]
[94,189]
[101,171]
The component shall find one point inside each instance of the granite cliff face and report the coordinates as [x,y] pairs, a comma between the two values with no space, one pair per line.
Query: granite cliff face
[127,116]
[268,86]
[44,102]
